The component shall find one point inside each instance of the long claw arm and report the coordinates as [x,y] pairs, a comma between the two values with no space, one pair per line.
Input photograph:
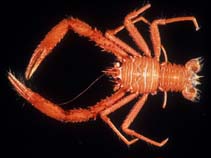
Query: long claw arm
[54,111]
[56,34]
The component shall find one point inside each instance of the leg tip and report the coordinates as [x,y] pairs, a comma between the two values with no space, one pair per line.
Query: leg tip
[198,28]
[164,142]
[133,141]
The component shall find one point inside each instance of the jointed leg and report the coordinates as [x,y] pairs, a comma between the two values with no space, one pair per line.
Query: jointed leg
[134,33]
[130,19]
[155,35]
[164,100]
[48,108]
[104,115]
[164,53]
[58,32]
[45,47]
[54,111]
[138,19]
[130,118]
[110,34]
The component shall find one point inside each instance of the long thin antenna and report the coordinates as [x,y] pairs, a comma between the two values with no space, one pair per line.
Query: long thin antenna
[74,98]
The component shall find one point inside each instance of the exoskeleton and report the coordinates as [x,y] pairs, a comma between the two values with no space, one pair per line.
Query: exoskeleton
[135,75]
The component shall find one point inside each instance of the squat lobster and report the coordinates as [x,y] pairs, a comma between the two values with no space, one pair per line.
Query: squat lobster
[133,74]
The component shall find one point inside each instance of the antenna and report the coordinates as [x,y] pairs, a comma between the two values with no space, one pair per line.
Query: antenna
[81,93]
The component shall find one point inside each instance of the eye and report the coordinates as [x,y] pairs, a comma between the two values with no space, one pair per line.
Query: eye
[117,65]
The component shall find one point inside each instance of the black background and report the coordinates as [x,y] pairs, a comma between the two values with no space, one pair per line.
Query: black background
[76,62]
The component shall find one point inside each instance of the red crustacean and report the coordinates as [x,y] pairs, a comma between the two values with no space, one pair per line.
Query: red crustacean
[134,75]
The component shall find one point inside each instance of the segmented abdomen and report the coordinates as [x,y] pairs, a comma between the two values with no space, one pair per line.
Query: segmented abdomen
[147,75]
[173,77]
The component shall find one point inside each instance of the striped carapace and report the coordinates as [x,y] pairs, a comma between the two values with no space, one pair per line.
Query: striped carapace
[134,74]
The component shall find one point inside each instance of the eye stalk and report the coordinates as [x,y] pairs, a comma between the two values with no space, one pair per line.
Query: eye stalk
[193,66]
